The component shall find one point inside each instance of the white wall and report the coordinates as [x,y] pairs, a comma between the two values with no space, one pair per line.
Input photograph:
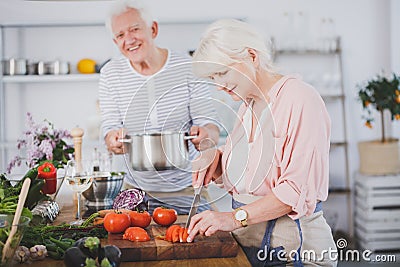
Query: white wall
[395,48]
[368,28]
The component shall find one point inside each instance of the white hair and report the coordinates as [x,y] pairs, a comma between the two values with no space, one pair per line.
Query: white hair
[120,6]
[226,42]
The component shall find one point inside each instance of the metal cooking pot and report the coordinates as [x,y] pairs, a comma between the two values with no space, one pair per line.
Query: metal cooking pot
[37,68]
[157,151]
[15,66]
[57,67]
[52,67]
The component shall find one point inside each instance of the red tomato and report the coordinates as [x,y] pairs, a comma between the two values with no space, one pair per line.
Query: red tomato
[164,216]
[116,222]
[140,218]
[168,234]
[176,233]
[183,235]
[136,234]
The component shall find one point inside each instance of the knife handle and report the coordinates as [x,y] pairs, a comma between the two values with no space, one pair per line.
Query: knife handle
[197,190]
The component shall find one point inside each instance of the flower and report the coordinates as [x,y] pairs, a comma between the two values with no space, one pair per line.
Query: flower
[381,93]
[42,143]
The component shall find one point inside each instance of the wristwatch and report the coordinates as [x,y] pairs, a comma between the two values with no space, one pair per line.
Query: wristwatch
[241,215]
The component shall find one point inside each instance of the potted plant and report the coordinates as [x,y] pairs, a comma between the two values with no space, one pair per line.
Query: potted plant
[381,94]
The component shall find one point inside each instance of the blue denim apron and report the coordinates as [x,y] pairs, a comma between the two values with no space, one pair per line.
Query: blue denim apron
[266,242]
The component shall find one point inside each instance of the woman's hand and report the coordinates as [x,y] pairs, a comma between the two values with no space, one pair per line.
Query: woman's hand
[209,222]
[206,167]
[111,139]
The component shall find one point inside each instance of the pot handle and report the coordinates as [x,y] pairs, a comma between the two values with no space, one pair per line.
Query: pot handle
[125,140]
[190,137]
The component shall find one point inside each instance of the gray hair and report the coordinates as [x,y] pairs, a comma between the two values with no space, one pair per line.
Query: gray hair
[120,6]
[226,42]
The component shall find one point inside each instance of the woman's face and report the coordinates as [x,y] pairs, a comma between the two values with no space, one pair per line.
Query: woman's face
[133,36]
[237,80]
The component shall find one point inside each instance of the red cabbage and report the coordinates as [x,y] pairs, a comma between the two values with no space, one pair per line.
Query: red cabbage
[130,199]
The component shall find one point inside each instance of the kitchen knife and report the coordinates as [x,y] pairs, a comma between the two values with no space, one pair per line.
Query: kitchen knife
[195,204]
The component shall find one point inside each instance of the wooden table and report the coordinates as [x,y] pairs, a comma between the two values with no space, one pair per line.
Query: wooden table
[67,214]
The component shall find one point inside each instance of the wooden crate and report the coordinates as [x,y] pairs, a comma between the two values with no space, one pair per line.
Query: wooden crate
[377,212]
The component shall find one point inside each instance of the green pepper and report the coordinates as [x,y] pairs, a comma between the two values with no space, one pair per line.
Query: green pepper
[34,194]
[32,173]
[63,245]
[55,255]
[90,219]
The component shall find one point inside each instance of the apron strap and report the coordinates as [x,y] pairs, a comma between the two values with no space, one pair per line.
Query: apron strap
[297,261]
[266,242]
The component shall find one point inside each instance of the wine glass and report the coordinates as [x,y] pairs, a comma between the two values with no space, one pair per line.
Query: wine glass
[79,177]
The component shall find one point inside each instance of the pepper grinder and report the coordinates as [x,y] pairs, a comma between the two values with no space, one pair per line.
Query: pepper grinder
[77,134]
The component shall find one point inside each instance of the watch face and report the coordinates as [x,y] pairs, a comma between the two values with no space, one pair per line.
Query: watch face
[241,215]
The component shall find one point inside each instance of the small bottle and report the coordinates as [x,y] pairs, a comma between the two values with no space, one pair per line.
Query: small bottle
[106,161]
[96,160]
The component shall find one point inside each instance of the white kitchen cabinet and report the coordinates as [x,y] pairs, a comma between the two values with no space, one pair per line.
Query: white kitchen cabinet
[377,212]
[323,69]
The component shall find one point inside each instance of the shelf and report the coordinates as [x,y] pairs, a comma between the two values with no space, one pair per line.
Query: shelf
[339,191]
[327,96]
[306,52]
[50,25]
[338,144]
[38,24]
[51,78]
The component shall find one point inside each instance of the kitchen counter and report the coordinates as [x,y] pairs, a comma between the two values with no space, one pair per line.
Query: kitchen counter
[66,215]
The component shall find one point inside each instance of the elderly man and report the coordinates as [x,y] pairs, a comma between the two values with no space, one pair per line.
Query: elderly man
[152,89]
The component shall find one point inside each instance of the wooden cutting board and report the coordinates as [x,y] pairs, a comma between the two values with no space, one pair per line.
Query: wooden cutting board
[219,245]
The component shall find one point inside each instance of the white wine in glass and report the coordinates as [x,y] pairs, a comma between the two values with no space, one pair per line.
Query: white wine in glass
[79,177]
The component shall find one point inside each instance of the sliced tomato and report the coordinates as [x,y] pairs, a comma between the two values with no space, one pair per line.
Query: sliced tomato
[168,234]
[175,234]
[136,234]
[183,235]
[181,230]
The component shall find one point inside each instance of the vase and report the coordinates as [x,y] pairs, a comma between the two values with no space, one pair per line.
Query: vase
[379,158]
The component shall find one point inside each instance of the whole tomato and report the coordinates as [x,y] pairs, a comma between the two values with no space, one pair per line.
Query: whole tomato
[136,234]
[115,222]
[140,218]
[164,216]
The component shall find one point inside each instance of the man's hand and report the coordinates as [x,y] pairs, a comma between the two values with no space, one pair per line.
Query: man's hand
[111,139]
[207,136]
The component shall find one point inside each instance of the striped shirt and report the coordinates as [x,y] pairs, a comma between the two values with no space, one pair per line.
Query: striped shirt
[170,100]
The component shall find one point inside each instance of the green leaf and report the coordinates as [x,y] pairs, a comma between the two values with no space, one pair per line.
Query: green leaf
[1,193]
[90,262]
[92,243]
[105,263]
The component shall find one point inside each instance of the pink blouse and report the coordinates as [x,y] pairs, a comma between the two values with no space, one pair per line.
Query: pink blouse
[291,157]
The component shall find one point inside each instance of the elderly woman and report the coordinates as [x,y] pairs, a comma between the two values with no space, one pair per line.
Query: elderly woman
[275,163]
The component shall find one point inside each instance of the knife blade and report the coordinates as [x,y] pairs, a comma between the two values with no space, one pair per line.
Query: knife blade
[195,204]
